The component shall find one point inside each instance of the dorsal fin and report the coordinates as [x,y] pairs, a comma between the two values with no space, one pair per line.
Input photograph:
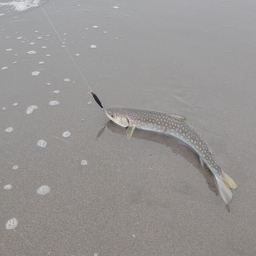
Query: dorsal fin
[178,117]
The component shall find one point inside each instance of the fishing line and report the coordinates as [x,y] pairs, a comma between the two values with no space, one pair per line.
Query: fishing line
[89,87]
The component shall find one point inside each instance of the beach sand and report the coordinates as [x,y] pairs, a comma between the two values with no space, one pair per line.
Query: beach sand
[94,192]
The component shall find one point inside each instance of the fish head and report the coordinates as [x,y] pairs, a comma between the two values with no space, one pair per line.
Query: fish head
[117,115]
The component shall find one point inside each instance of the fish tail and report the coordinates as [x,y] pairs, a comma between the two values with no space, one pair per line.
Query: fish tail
[224,189]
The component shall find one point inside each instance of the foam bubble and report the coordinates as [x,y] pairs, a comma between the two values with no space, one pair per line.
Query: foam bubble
[56,91]
[48,55]
[39,38]
[31,52]
[32,43]
[95,26]
[66,79]
[66,134]
[31,109]
[20,37]
[8,50]
[11,224]
[43,190]
[9,129]
[54,103]
[41,143]
[35,73]
[15,104]
[84,162]
[41,62]
[15,167]
[44,47]
[116,7]
[93,46]
[8,186]
[21,5]
[4,68]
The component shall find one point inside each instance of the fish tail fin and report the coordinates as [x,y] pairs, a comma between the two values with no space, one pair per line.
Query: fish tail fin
[229,181]
[224,189]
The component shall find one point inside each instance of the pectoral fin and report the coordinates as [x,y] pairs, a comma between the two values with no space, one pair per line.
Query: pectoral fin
[129,131]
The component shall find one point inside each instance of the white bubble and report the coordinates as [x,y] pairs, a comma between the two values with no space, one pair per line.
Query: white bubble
[1,14]
[32,43]
[11,224]
[115,7]
[9,129]
[48,55]
[8,50]
[48,83]
[15,104]
[93,46]
[56,91]
[94,26]
[66,134]
[77,54]
[54,103]
[39,38]
[89,102]
[8,186]
[31,52]
[84,162]
[15,167]
[4,68]
[66,79]
[20,37]
[35,73]
[43,190]
[42,143]
[44,47]
[31,109]
[41,62]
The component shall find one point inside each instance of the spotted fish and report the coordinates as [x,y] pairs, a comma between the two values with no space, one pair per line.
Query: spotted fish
[176,126]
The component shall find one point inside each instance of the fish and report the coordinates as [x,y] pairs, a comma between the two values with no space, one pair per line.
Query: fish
[178,127]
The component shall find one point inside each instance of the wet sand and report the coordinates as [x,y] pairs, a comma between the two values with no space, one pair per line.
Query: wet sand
[144,196]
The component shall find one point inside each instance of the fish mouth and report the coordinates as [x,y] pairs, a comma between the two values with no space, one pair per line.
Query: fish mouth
[109,114]
[117,118]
